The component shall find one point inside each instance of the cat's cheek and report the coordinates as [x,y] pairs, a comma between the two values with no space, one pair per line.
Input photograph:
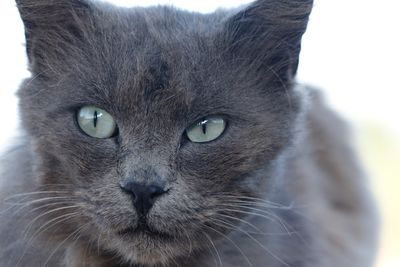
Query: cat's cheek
[107,205]
[223,167]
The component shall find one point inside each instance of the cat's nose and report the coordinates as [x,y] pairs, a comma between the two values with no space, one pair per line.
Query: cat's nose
[143,195]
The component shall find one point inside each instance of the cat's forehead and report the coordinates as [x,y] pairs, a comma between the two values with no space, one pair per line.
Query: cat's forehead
[159,62]
[139,60]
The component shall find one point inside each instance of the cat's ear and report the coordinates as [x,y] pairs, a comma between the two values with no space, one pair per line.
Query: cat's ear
[52,27]
[268,33]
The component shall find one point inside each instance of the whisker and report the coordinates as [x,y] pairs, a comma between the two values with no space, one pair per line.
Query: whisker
[30,225]
[43,206]
[30,202]
[30,241]
[266,204]
[34,193]
[189,239]
[47,205]
[22,206]
[263,204]
[266,216]
[261,213]
[240,220]
[98,244]
[215,248]
[43,227]
[233,243]
[259,232]
[254,200]
[65,240]
[260,244]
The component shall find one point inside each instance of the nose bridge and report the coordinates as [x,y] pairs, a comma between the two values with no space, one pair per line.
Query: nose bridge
[146,175]
[145,166]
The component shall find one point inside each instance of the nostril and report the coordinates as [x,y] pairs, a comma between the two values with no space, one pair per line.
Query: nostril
[123,185]
[130,188]
[156,191]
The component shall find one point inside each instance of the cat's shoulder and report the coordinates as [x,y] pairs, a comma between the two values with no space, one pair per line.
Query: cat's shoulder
[334,184]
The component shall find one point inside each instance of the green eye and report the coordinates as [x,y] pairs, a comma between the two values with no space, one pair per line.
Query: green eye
[206,130]
[96,122]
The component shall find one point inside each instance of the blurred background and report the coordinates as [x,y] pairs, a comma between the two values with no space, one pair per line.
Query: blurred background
[351,51]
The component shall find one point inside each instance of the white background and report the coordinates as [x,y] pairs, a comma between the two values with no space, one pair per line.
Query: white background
[351,51]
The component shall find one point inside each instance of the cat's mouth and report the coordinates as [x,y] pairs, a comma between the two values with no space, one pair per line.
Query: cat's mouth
[145,245]
[143,229]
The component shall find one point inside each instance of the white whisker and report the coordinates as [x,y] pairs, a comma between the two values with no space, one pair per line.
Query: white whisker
[260,244]
[233,243]
[77,231]
[215,248]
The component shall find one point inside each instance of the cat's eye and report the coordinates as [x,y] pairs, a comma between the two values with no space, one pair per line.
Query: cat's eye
[206,130]
[96,122]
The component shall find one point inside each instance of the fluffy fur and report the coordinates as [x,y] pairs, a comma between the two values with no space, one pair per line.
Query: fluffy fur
[279,188]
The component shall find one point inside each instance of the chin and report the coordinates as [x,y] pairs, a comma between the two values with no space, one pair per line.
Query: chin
[148,247]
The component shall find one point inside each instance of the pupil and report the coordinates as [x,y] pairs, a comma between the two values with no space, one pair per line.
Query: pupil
[95,118]
[204,127]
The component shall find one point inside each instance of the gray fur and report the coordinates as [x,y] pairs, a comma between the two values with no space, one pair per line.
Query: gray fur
[279,188]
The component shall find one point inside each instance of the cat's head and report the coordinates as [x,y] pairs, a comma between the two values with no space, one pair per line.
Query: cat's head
[152,124]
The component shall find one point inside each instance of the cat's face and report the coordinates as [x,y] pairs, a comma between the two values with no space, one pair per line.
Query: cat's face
[157,72]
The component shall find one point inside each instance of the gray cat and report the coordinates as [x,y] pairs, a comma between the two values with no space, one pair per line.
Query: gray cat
[160,137]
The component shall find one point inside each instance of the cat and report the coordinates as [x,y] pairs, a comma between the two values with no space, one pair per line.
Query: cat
[161,137]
